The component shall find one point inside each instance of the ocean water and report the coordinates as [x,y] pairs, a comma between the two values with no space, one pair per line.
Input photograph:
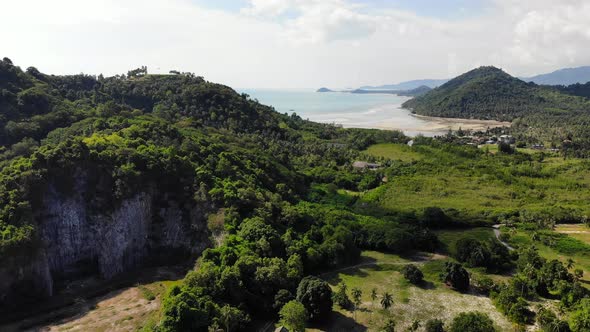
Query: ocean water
[379,111]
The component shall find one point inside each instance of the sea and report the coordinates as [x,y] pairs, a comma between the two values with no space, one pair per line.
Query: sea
[381,111]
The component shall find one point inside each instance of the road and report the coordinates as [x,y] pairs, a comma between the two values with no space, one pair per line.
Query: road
[497,233]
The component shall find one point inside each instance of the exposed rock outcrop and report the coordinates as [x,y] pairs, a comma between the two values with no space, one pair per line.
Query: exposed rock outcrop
[76,240]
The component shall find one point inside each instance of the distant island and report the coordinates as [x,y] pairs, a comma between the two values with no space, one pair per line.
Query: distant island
[408,93]
[324,90]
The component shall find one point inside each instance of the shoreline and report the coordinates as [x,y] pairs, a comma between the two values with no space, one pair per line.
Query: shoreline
[432,125]
[439,124]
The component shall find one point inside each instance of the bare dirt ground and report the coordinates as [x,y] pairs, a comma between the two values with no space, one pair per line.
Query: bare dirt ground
[127,308]
[124,310]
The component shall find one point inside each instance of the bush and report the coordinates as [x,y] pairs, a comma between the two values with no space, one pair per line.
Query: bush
[413,274]
[472,252]
[341,297]
[389,326]
[472,322]
[483,284]
[456,276]
[434,325]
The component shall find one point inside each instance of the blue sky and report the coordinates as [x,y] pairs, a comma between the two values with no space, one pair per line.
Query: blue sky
[297,43]
[447,9]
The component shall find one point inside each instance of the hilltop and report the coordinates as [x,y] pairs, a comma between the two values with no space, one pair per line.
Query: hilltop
[491,94]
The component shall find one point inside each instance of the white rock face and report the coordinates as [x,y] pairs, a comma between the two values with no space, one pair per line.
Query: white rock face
[77,241]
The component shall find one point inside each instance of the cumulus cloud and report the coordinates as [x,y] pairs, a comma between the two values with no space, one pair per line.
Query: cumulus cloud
[316,21]
[547,33]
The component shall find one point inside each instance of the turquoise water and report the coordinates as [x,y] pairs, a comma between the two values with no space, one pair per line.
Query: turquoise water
[350,110]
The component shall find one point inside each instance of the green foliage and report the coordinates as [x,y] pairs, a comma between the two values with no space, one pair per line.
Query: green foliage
[316,295]
[386,300]
[580,319]
[293,316]
[413,274]
[388,326]
[492,255]
[434,325]
[456,276]
[341,298]
[472,322]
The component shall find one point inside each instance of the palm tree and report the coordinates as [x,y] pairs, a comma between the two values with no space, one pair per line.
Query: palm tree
[386,301]
[356,299]
[569,263]
[373,298]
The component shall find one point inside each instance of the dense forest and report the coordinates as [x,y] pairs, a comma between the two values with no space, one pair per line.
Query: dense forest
[249,166]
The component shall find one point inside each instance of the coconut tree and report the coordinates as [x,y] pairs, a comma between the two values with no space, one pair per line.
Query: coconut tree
[373,296]
[386,301]
[356,299]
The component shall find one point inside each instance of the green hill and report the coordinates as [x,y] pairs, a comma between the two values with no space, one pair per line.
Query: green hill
[491,94]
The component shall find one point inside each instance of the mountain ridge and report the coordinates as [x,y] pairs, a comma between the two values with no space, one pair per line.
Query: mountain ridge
[563,76]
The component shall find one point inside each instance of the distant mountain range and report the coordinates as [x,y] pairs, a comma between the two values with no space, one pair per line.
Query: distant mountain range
[566,76]
[408,85]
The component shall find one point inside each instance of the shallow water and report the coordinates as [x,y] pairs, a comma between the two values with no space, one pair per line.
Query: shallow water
[380,111]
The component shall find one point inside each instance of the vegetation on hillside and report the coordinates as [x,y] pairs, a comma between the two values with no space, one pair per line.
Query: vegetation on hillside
[557,116]
[285,195]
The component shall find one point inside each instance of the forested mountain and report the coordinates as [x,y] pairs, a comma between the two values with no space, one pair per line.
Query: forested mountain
[539,113]
[489,93]
[566,76]
[101,176]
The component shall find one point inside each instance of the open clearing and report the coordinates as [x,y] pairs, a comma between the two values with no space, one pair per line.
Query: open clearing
[124,309]
[431,300]
[577,231]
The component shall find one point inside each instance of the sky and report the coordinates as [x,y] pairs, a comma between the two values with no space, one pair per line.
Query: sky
[297,43]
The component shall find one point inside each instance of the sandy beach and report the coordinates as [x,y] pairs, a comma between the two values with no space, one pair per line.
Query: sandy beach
[436,125]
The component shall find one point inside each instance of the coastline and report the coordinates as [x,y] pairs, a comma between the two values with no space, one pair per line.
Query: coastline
[430,125]
[437,123]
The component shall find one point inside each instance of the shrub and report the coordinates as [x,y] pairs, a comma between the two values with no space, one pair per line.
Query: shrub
[456,276]
[472,322]
[434,325]
[413,274]
[341,297]
[389,326]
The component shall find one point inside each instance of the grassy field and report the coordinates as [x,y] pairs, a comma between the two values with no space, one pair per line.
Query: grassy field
[577,231]
[382,272]
[480,186]
[401,152]
[450,237]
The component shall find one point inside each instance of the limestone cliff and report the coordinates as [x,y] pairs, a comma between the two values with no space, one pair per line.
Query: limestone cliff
[76,240]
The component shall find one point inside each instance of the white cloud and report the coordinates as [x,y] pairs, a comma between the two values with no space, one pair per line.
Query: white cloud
[316,21]
[291,43]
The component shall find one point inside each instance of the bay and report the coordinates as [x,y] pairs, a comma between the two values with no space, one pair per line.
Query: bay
[380,111]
